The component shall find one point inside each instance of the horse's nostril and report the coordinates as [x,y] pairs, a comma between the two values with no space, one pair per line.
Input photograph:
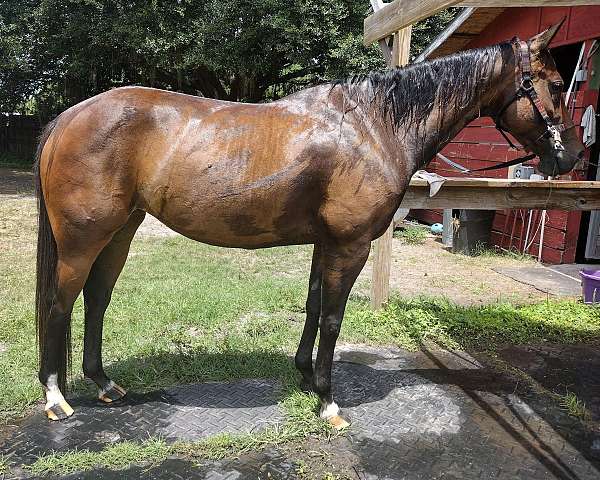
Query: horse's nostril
[580,154]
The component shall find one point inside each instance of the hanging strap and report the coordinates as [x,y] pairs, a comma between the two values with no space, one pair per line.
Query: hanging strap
[498,166]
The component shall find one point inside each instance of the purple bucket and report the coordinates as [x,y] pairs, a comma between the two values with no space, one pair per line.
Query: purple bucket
[590,284]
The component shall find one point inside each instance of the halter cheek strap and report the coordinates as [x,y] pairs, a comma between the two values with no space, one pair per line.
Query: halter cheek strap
[526,88]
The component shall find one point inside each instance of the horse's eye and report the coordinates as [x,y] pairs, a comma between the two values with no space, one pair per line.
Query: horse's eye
[556,90]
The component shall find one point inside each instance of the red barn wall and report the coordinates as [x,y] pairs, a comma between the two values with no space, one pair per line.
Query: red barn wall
[480,144]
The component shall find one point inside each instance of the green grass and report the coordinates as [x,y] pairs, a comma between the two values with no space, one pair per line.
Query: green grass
[413,235]
[185,312]
[482,250]
[574,406]
[181,312]
[117,456]
[3,465]
[409,323]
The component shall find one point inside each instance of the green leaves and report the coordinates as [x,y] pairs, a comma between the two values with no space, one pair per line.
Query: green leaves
[59,52]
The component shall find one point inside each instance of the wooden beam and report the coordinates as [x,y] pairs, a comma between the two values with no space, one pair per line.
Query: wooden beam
[383,43]
[401,50]
[399,14]
[526,3]
[499,194]
[382,253]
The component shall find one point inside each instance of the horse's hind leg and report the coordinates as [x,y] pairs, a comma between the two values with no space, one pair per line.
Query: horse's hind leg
[71,272]
[97,293]
[313,311]
[341,266]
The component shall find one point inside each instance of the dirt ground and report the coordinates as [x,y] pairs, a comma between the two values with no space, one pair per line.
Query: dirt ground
[427,269]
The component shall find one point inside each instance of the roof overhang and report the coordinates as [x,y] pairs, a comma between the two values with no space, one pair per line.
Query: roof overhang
[396,15]
[457,35]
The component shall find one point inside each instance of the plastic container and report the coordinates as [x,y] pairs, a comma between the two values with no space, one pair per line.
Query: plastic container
[590,285]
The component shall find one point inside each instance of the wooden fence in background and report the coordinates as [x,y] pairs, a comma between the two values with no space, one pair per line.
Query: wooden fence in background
[18,135]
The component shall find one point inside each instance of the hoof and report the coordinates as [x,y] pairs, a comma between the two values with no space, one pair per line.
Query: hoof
[58,411]
[112,393]
[338,422]
[331,413]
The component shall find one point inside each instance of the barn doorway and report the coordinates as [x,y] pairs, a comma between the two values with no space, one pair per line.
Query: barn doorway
[588,242]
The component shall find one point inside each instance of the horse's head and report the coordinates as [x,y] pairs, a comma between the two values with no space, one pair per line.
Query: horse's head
[533,108]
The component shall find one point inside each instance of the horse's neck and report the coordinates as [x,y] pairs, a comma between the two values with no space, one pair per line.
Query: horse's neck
[442,126]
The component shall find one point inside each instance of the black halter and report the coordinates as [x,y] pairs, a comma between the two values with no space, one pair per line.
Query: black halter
[526,88]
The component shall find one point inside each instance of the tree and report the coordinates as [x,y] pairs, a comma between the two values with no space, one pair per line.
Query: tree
[55,53]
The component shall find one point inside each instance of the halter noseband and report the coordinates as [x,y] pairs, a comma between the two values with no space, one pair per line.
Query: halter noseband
[526,88]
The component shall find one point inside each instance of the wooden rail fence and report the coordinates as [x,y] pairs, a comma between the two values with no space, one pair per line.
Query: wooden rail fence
[18,135]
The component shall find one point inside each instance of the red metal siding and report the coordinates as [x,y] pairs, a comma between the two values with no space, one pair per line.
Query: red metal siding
[480,144]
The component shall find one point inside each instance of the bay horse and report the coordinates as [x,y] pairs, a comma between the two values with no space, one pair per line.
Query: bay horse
[327,166]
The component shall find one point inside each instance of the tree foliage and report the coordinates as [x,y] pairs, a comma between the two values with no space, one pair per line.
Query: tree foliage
[55,53]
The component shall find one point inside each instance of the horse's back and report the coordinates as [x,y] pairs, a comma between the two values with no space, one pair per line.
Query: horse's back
[220,172]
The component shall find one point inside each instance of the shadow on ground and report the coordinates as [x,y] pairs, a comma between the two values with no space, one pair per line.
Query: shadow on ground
[561,369]
[15,181]
[427,414]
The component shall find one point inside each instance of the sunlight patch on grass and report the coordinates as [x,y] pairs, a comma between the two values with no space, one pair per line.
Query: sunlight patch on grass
[413,235]
[408,323]
[3,465]
[574,406]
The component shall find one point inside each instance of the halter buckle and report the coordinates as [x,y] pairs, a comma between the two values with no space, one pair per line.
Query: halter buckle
[556,138]
[527,85]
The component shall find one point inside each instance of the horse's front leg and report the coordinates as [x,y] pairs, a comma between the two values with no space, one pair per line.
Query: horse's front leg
[341,266]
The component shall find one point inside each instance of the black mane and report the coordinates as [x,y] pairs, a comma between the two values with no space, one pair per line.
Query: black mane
[409,94]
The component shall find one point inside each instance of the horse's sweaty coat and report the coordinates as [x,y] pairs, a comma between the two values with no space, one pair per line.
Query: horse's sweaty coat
[327,166]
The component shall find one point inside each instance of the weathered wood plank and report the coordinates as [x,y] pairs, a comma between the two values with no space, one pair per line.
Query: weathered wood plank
[498,194]
[452,182]
[382,253]
[526,3]
[401,51]
[399,14]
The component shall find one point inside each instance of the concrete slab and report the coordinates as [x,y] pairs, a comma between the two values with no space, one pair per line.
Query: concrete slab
[545,279]
[572,269]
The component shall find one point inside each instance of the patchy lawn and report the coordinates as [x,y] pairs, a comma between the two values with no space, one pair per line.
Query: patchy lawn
[185,312]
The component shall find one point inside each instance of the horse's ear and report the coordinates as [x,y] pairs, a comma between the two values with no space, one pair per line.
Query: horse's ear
[542,40]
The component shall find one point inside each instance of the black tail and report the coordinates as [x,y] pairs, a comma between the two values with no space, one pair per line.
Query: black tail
[46,277]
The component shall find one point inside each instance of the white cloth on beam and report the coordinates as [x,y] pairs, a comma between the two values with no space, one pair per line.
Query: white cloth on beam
[434,180]
[588,123]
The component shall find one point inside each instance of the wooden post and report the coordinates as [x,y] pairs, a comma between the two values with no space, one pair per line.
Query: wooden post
[382,254]
[448,231]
